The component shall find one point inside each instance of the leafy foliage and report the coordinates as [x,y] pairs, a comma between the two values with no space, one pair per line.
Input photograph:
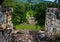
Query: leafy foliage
[41,9]
[8,2]
[18,15]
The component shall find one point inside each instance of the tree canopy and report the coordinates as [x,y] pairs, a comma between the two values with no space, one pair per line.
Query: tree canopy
[22,10]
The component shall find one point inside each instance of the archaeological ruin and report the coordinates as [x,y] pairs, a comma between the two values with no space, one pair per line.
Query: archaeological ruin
[6,26]
[9,34]
[52,22]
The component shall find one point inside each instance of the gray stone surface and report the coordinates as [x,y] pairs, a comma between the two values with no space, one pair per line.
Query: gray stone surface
[6,25]
[51,22]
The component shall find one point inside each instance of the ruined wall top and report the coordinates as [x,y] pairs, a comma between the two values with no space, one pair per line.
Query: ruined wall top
[52,10]
[5,17]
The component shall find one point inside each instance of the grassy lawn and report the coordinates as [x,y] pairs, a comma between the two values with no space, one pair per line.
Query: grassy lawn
[27,27]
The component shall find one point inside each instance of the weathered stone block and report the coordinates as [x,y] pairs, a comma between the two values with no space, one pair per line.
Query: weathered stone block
[51,24]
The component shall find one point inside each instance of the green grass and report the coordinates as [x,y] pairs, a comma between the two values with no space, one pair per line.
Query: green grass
[27,27]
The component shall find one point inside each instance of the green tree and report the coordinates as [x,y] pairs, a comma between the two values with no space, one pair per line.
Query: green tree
[8,3]
[18,15]
[41,10]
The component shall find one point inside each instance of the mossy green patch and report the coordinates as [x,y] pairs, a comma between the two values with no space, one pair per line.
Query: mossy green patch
[27,27]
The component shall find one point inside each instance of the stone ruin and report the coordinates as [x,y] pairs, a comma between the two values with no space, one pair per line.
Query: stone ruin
[31,20]
[52,22]
[7,34]
[29,36]
[6,26]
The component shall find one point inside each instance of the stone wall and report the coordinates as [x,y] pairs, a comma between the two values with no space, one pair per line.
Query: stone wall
[6,26]
[31,20]
[51,22]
